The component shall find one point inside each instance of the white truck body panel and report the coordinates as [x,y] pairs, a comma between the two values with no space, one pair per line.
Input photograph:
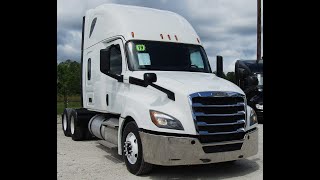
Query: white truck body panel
[140,99]
[100,84]
[146,23]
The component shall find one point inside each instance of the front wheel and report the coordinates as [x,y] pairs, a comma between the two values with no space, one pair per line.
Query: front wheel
[132,150]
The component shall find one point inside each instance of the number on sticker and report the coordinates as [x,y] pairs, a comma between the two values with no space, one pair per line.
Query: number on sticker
[140,47]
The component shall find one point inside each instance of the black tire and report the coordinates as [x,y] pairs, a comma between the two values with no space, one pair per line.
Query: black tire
[77,131]
[231,162]
[140,166]
[65,121]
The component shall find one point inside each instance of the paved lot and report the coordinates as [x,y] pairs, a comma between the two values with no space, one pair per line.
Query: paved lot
[90,160]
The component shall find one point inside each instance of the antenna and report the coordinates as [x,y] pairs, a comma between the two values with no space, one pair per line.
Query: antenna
[259,30]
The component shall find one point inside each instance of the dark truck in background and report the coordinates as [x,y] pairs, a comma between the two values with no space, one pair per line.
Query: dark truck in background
[249,77]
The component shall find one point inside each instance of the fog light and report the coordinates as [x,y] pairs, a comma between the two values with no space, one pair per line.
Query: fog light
[258,106]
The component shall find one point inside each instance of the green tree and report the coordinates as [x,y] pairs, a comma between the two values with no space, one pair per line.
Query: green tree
[231,77]
[68,79]
[223,75]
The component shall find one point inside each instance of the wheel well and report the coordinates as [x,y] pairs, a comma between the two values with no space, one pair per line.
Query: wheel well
[126,121]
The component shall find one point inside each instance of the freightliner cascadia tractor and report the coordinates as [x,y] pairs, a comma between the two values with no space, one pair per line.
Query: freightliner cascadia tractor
[148,90]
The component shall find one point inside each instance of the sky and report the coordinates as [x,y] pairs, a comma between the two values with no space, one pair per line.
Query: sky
[225,27]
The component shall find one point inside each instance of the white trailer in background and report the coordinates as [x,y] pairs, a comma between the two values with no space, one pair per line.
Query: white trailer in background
[148,90]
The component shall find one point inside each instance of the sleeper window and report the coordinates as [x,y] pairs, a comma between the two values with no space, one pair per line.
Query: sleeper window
[93,24]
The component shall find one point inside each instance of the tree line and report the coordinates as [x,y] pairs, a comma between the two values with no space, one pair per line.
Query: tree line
[230,76]
[69,77]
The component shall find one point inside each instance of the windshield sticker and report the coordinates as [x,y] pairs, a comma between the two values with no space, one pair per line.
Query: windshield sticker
[144,59]
[140,47]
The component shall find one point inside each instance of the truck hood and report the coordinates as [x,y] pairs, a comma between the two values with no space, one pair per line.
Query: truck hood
[190,82]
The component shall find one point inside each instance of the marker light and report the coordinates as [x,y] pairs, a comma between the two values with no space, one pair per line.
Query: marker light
[169,37]
[132,34]
[176,37]
[161,36]
[198,40]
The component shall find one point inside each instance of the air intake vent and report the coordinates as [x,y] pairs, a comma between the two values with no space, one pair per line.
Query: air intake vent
[219,116]
[222,148]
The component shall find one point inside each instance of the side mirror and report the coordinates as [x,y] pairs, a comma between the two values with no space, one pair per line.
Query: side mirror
[149,78]
[105,60]
[219,66]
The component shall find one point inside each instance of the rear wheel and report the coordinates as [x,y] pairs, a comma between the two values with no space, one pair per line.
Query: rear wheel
[66,121]
[77,131]
[132,150]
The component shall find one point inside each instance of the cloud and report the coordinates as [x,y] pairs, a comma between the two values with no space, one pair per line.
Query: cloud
[68,45]
[225,27]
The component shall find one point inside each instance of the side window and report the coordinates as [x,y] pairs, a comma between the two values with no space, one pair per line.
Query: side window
[93,24]
[89,69]
[196,59]
[115,60]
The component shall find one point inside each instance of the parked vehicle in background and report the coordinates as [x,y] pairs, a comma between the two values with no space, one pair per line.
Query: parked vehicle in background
[249,77]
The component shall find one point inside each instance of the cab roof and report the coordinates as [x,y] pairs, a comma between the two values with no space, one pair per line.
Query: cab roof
[133,22]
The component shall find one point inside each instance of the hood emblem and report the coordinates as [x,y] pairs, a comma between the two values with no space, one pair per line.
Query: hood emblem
[219,94]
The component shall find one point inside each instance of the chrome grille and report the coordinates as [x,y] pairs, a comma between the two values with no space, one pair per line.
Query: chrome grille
[219,116]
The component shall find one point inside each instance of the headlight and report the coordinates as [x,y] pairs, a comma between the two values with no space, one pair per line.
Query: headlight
[165,121]
[253,117]
[258,106]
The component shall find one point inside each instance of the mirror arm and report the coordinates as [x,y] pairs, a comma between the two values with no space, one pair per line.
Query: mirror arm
[140,82]
[169,93]
[117,77]
[136,81]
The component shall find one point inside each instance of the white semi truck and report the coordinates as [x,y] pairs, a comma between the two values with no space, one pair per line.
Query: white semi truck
[148,90]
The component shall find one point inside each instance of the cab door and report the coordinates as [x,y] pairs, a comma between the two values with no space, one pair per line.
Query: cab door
[115,90]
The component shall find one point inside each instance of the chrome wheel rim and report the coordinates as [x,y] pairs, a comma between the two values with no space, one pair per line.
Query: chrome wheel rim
[131,148]
[64,122]
[72,125]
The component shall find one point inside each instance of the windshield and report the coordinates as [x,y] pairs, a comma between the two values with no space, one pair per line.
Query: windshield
[166,56]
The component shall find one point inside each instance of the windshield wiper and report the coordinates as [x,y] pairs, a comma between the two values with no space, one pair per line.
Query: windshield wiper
[193,68]
[196,70]
[186,68]
[148,68]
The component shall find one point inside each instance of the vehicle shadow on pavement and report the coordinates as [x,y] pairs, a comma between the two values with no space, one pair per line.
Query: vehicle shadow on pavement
[211,171]
[112,154]
[218,170]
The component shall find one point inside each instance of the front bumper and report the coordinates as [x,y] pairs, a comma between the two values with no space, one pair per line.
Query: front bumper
[172,150]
